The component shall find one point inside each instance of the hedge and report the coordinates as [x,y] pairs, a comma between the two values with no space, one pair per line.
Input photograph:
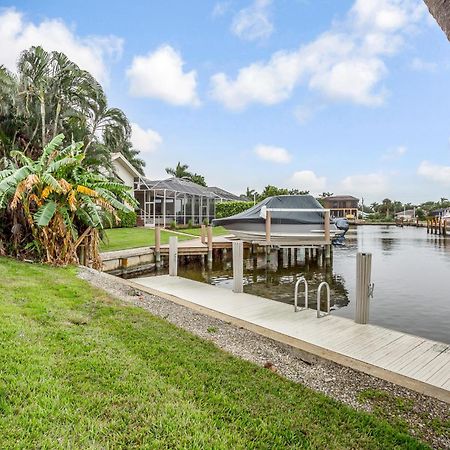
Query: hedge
[227,209]
[127,219]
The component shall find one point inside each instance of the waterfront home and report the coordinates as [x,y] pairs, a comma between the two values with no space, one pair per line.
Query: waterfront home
[342,206]
[162,202]
[407,214]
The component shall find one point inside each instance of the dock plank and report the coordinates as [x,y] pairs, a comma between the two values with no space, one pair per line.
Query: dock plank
[414,362]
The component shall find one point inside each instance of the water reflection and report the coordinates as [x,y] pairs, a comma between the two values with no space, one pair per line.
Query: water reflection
[273,277]
[411,272]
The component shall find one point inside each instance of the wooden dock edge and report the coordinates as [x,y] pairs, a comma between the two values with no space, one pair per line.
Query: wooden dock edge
[319,352]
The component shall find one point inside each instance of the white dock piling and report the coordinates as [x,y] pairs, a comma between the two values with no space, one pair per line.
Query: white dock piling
[238,266]
[363,286]
[173,256]
[157,245]
[210,243]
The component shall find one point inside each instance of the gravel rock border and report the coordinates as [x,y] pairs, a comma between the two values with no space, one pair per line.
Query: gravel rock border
[424,417]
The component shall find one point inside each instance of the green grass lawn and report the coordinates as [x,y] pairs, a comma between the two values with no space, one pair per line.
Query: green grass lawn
[217,231]
[80,370]
[121,238]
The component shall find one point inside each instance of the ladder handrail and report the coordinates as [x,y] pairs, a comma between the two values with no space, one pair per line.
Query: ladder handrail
[319,289]
[301,279]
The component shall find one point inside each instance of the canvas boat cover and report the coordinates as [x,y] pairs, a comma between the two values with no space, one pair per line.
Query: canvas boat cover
[253,214]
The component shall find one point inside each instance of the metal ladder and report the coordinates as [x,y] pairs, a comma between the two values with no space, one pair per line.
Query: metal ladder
[319,290]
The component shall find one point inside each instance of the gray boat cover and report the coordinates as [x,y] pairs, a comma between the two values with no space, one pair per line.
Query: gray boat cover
[252,215]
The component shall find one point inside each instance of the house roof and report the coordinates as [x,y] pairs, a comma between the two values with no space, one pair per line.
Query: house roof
[341,198]
[119,157]
[179,185]
[223,194]
[184,186]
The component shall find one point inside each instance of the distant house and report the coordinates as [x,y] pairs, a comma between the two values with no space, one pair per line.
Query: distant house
[162,202]
[407,214]
[123,170]
[341,205]
[442,212]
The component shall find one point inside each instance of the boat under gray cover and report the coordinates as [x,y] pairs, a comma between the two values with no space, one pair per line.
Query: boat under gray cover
[286,226]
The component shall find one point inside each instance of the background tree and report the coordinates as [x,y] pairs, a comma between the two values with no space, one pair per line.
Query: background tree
[271,191]
[198,179]
[298,192]
[249,193]
[51,95]
[181,171]
[440,10]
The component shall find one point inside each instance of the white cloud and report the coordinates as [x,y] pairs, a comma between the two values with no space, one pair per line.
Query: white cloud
[308,180]
[420,65]
[92,53]
[345,63]
[435,172]
[303,114]
[394,153]
[146,141]
[369,184]
[160,75]
[220,8]
[253,23]
[277,155]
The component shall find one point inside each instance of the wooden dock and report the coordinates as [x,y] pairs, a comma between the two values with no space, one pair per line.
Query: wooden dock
[437,226]
[410,361]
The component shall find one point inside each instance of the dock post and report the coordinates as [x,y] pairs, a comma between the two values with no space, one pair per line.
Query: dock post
[173,256]
[157,245]
[327,227]
[210,244]
[444,228]
[363,287]
[320,256]
[238,266]
[268,225]
[328,252]
[203,234]
[285,257]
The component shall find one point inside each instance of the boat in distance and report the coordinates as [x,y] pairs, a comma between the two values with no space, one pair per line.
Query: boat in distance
[294,218]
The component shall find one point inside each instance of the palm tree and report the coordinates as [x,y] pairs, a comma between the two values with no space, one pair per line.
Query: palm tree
[179,171]
[249,193]
[440,11]
[54,205]
[198,179]
[51,95]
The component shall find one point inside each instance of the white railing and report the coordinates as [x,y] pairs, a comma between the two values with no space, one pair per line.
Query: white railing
[300,280]
[319,289]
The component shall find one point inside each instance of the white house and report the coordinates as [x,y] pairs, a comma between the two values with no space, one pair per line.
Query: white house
[124,170]
[407,214]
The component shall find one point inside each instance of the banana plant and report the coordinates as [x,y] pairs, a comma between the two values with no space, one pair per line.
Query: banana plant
[63,202]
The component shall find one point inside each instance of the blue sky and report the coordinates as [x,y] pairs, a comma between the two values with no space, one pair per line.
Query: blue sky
[351,97]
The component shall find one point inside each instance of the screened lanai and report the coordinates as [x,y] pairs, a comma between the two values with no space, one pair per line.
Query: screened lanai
[174,199]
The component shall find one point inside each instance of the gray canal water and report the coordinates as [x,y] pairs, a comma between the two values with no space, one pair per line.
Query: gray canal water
[410,269]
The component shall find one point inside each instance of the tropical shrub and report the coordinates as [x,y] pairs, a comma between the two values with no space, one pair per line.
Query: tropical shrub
[127,219]
[53,207]
[227,209]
